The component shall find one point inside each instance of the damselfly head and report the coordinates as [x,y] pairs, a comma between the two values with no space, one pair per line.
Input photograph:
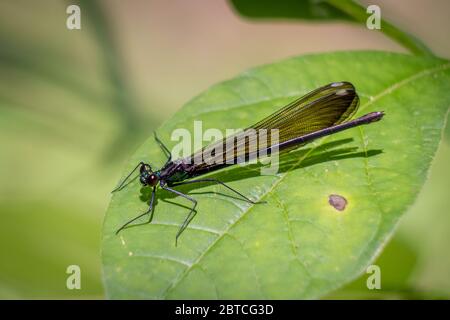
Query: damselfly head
[147,176]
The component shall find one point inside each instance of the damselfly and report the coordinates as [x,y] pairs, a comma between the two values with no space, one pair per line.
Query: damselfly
[321,112]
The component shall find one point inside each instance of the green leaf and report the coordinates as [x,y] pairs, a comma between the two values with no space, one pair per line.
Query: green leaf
[288,9]
[323,10]
[447,129]
[296,245]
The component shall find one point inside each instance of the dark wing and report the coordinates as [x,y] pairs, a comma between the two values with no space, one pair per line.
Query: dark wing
[322,108]
[319,109]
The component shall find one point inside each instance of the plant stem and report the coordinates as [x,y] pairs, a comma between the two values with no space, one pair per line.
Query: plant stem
[358,13]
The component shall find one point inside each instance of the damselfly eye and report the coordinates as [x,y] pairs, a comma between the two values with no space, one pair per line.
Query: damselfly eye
[152,180]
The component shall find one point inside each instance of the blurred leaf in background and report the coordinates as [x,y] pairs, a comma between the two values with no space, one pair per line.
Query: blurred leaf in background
[447,130]
[67,121]
[289,9]
[329,10]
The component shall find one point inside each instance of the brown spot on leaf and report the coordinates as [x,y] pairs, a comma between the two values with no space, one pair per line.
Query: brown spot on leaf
[338,202]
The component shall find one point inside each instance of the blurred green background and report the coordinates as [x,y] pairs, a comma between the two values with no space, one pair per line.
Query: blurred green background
[74,104]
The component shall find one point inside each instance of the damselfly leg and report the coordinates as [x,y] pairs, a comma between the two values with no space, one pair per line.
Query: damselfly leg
[219,182]
[127,177]
[163,147]
[150,210]
[190,215]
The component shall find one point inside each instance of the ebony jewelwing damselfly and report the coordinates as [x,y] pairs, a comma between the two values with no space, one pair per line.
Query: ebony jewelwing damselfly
[321,112]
